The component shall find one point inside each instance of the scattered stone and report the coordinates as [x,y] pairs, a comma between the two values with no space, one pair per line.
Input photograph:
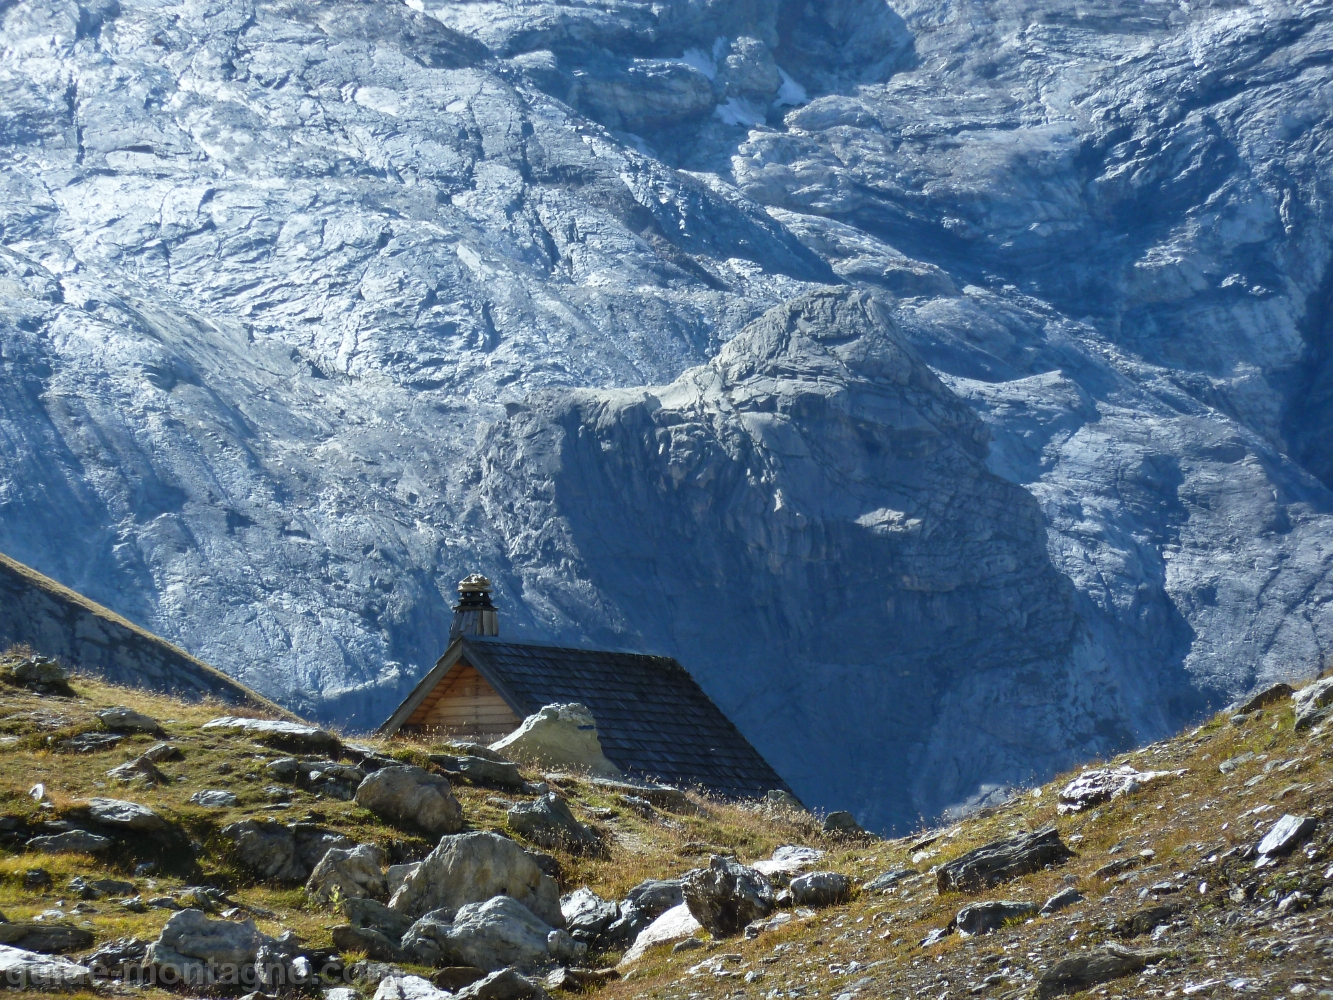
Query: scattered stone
[820,889]
[354,873]
[474,867]
[374,942]
[843,823]
[1003,860]
[40,674]
[412,795]
[481,770]
[285,735]
[756,927]
[1081,971]
[1284,835]
[1314,703]
[787,861]
[1143,921]
[1229,765]
[491,935]
[935,936]
[548,822]
[1094,787]
[983,918]
[587,915]
[266,848]
[673,925]
[126,720]
[72,841]
[726,896]
[887,880]
[559,736]
[1268,696]
[47,937]
[362,911]
[215,798]
[504,984]
[1066,897]
[26,970]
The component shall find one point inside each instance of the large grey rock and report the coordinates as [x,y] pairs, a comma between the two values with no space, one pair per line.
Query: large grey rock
[279,733]
[377,945]
[1103,784]
[47,936]
[1313,703]
[1143,343]
[503,932]
[266,848]
[1071,975]
[74,841]
[726,896]
[200,951]
[362,911]
[27,970]
[1284,835]
[642,905]
[983,918]
[503,984]
[314,841]
[548,822]
[120,814]
[348,874]
[411,795]
[472,868]
[559,736]
[587,915]
[482,770]
[40,674]
[121,719]
[1002,860]
[820,889]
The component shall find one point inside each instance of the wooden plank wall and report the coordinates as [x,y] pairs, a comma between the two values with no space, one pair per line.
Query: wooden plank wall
[463,706]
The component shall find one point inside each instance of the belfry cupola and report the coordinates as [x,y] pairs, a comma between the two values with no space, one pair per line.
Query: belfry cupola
[474,614]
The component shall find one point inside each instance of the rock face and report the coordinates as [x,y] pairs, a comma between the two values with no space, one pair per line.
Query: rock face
[559,736]
[726,896]
[412,795]
[1088,231]
[475,867]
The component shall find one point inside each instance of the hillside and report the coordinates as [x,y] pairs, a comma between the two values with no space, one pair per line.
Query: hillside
[310,309]
[1170,864]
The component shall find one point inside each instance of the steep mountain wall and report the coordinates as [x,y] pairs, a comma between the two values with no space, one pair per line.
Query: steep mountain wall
[309,309]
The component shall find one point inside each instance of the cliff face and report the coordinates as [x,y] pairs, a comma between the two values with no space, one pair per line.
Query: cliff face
[307,310]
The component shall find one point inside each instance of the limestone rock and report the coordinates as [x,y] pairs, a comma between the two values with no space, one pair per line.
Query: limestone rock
[1002,860]
[74,841]
[503,984]
[1077,973]
[349,874]
[277,733]
[587,915]
[548,822]
[559,736]
[481,769]
[28,970]
[779,798]
[194,946]
[726,896]
[48,936]
[1103,784]
[1313,703]
[1284,835]
[404,987]
[411,795]
[983,918]
[373,941]
[642,905]
[475,867]
[820,889]
[215,798]
[266,847]
[675,924]
[787,861]
[121,719]
[314,841]
[491,935]
[362,911]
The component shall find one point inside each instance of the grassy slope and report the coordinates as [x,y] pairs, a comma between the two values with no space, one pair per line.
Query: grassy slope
[1184,820]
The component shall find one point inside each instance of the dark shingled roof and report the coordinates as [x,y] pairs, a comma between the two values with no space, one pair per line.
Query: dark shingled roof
[653,719]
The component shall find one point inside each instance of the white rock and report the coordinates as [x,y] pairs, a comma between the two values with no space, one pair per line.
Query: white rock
[27,970]
[673,925]
[214,798]
[789,860]
[559,736]
[409,988]
[126,720]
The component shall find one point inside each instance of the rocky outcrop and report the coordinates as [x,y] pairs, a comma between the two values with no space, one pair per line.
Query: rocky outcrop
[491,935]
[548,822]
[412,796]
[559,736]
[726,896]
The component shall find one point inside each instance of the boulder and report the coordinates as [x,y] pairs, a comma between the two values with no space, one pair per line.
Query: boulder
[1268,696]
[292,736]
[396,875]
[481,770]
[120,814]
[1081,971]
[726,896]
[313,842]
[778,798]
[587,915]
[642,905]
[411,795]
[885,881]
[266,848]
[503,984]
[215,798]
[140,768]
[820,889]
[126,720]
[983,918]
[160,752]
[1143,921]
[362,911]
[72,841]
[1284,835]
[404,987]
[1067,896]
[196,948]
[548,822]
[491,935]
[1103,784]
[349,873]
[474,867]
[371,940]
[842,824]
[1313,703]
[559,736]
[50,937]
[27,970]
[111,957]
[1002,860]
[40,674]
[675,924]
[787,861]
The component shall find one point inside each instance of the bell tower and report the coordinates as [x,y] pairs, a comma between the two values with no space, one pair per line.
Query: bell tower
[474,614]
